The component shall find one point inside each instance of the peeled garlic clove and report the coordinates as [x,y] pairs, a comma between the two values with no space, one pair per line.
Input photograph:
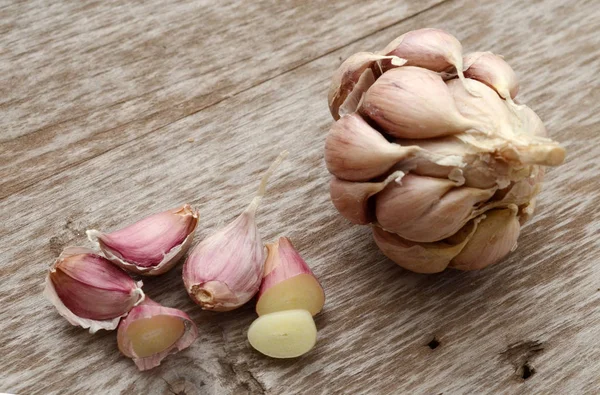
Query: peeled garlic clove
[415,103]
[433,49]
[288,282]
[355,151]
[151,332]
[89,291]
[347,77]
[495,237]
[493,71]
[426,209]
[152,245]
[421,257]
[225,270]
[351,199]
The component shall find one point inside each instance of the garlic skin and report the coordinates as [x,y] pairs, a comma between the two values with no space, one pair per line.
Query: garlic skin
[493,71]
[471,161]
[151,246]
[147,326]
[348,75]
[225,270]
[89,291]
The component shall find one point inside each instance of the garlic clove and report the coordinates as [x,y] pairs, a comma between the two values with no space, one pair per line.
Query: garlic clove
[351,199]
[427,209]
[433,49]
[415,103]
[89,291]
[422,257]
[493,71]
[526,211]
[348,75]
[495,237]
[288,282]
[152,245]
[151,332]
[225,270]
[355,151]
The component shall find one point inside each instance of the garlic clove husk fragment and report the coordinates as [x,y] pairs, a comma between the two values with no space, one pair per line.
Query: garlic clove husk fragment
[151,332]
[414,103]
[427,209]
[493,71]
[152,245]
[432,49]
[225,270]
[89,291]
[495,237]
[351,199]
[288,282]
[348,77]
[422,257]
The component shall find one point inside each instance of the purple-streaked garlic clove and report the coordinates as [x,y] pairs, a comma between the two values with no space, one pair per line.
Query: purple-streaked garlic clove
[493,71]
[422,257]
[288,282]
[89,291]
[354,151]
[414,103]
[495,237]
[427,209]
[352,78]
[151,332]
[225,270]
[152,245]
[432,49]
[352,199]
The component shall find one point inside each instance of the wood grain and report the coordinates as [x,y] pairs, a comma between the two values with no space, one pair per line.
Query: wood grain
[540,307]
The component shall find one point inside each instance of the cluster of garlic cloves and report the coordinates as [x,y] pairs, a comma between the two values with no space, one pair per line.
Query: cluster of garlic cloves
[430,148]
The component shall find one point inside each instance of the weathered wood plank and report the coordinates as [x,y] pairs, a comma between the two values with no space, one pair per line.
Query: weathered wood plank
[540,306]
[100,75]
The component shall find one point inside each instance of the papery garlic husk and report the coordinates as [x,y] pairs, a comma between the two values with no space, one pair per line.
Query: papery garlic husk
[427,209]
[225,270]
[288,282]
[493,71]
[89,291]
[422,257]
[355,151]
[151,332]
[415,103]
[495,237]
[151,246]
[351,199]
[356,71]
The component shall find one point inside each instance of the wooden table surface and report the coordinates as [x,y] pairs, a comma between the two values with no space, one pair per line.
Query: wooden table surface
[112,110]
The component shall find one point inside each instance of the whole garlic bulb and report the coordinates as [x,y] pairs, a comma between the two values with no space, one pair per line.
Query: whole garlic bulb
[431,150]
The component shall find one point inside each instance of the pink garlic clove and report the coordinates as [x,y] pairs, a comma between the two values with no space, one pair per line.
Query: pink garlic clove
[493,71]
[152,245]
[348,75]
[495,237]
[421,257]
[415,103]
[89,291]
[225,270]
[355,151]
[351,199]
[151,332]
[425,209]
[288,282]
[432,49]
